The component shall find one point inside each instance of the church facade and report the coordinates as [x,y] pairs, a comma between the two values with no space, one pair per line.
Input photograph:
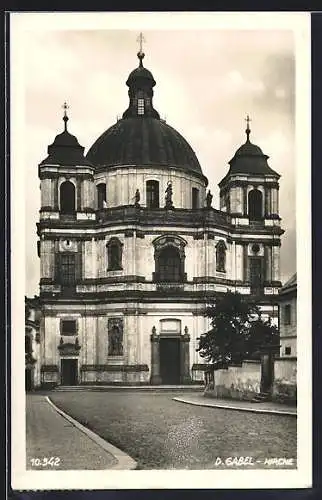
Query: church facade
[131,249]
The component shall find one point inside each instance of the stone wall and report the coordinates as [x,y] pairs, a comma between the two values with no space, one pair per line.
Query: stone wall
[236,382]
[285,380]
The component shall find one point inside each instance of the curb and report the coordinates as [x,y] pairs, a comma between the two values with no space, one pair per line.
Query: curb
[238,408]
[123,461]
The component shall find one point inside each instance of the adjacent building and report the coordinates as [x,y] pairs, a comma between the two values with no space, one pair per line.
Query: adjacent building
[32,343]
[131,249]
[285,366]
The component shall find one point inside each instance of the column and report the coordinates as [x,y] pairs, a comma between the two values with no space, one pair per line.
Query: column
[185,377]
[276,262]
[268,263]
[55,192]
[155,378]
[245,200]
[266,206]
[78,194]
[245,262]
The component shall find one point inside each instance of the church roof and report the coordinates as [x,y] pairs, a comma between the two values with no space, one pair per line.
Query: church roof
[65,150]
[249,159]
[289,286]
[141,137]
[143,141]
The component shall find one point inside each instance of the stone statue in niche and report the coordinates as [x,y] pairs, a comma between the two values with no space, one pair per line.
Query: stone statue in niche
[168,196]
[209,199]
[137,198]
[115,337]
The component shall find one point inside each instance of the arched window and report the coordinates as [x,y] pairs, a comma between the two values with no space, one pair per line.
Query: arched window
[221,257]
[255,204]
[101,195]
[67,197]
[152,194]
[169,265]
[195,197]
[114,254]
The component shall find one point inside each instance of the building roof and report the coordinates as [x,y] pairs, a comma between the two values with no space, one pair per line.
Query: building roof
[249,159]
[290,286]
[143,141]
[66,150]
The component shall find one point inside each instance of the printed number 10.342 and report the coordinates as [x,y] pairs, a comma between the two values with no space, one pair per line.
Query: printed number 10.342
[45,462]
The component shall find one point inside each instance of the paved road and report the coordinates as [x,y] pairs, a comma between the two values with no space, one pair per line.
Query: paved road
[163,434]
[51,435]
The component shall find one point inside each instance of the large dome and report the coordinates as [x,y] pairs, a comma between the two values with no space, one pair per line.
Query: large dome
[143,141]
[140,138]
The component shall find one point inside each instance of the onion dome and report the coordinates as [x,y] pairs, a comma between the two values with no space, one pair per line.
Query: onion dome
[141,137]
[250,159]
[65,150]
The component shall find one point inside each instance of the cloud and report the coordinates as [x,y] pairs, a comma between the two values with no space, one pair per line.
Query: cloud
[235,82]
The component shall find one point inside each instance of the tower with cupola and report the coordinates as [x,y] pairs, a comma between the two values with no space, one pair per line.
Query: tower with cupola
[249,195]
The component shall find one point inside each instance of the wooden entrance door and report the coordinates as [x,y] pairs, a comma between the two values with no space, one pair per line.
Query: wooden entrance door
[170,361]
[69,371]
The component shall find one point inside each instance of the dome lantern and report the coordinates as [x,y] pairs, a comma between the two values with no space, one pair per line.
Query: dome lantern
[141,83]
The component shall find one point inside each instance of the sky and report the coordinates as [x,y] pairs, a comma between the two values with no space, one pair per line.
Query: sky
[207,81]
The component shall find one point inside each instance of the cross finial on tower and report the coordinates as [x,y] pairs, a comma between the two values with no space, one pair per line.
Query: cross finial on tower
[140,54]
[65,117]
[248,120]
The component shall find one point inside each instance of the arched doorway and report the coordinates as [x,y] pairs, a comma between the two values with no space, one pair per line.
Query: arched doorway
[67,197]
[255,200]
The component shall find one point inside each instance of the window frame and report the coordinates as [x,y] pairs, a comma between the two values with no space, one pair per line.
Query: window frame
[112,263]
[221,252]
[72,331]
[287,314]
[141,106]
[69,278]
[252,214]
[195,198]
[152,194]
[72,188]
[101,195]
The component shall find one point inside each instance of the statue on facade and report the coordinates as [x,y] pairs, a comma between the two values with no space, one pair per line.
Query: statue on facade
[115,345]
[137,198]
[168,196]
[209,198]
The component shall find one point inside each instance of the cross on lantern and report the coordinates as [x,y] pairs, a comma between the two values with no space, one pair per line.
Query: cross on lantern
[248,120]
[65,118]
[141,40]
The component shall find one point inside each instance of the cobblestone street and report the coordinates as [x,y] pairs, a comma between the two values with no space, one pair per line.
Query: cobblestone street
[160,433]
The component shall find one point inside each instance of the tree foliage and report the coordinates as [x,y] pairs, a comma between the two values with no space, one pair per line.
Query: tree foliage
[237,331]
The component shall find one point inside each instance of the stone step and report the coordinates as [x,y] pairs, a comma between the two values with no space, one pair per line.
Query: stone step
[152,388]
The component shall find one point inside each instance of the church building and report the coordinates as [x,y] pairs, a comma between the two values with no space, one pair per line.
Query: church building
[131,249]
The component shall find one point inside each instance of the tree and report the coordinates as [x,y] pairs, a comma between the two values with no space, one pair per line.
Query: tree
[237,331]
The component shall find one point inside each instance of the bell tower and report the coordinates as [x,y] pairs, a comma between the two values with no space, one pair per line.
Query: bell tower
[67,201]
[249,194]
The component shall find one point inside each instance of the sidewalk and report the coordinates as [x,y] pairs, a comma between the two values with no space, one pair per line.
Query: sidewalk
[50,434]
[231,404]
